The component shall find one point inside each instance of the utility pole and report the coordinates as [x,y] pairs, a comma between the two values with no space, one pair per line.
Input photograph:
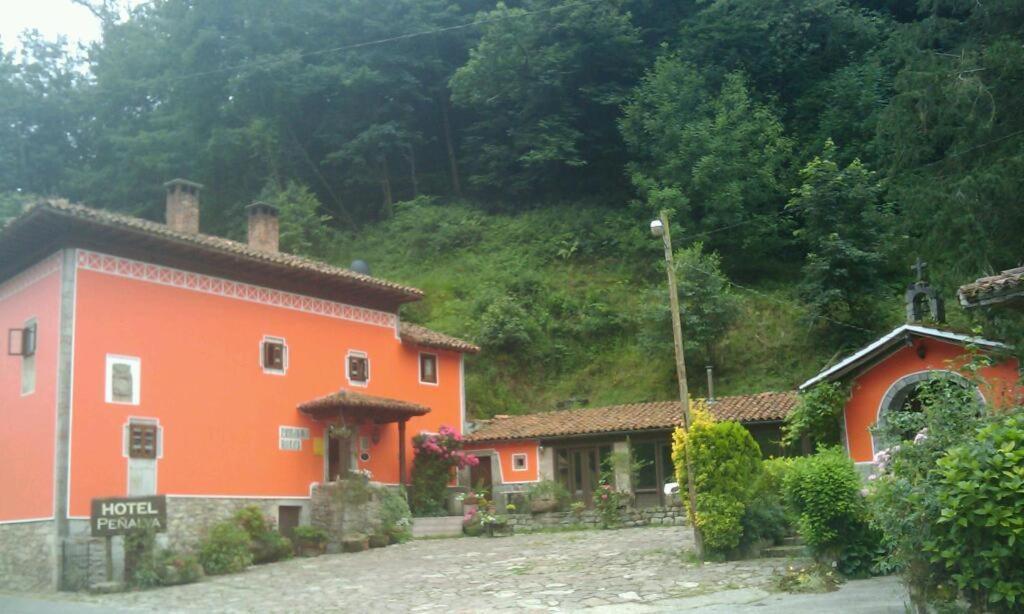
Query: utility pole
[660,228]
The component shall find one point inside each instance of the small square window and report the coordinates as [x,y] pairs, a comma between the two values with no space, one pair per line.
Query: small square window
[358,369]
[519,462]
[274,355]
[123,380]
[142,440]
[428,368]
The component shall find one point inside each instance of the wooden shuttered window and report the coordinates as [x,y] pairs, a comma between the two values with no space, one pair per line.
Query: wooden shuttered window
[358,368]
[142,440]
[428,368]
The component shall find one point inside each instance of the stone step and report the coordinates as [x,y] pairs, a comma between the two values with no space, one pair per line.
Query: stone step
[783,552]
[793,540]
[437,526]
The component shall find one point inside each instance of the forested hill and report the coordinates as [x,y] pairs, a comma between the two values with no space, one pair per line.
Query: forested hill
[507,157]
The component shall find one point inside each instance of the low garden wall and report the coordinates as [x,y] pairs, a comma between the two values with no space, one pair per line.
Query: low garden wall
[346,509]
[630,517]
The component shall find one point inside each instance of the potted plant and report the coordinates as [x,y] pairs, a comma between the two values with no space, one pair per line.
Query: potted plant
[310,541]
[547,496]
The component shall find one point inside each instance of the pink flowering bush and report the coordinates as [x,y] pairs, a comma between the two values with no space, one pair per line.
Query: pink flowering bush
[436,457]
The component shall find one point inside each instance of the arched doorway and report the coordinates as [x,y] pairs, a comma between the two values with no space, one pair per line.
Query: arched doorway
[903,396]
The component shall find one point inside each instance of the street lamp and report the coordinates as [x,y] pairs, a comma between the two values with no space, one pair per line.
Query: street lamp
[659,228]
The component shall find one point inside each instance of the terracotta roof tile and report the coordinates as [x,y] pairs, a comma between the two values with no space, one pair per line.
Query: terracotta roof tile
[993,289]
[351,400]
[766,406]
[117,221]
[420,335]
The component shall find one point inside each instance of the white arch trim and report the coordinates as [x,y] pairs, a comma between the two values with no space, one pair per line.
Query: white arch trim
[909,380]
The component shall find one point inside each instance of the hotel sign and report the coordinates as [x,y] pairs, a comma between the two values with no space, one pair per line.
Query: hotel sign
[118,516]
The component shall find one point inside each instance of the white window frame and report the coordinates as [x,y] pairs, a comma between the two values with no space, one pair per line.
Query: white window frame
[136,369]
[348,378]
[526,461]
[437,369]
[270,370]
[28,363]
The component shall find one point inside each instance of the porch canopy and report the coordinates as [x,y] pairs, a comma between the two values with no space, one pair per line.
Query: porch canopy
[356,407]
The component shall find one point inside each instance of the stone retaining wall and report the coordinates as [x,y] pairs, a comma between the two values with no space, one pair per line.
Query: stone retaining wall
[28,556]
[630,517]
[189,518]
[345,510]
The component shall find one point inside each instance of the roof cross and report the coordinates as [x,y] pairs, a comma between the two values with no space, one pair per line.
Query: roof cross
[919,268]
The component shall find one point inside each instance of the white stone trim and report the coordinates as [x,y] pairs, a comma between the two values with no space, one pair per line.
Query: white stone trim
[437,369]
[135,363]
[525,458]
[369,371]
[71,386]
[30,360]
[27,278]
[206,284]
[28,520]
[883,341]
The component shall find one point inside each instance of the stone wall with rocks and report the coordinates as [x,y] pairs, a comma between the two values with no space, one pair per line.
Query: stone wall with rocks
[630,517]
[346,509]
[189,518]
[28,556]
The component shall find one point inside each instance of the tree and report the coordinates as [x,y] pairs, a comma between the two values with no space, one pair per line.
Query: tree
[848,232]
[717,158]
[544,84]
[304,227]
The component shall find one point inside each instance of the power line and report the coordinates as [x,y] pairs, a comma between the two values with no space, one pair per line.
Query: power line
[401,37]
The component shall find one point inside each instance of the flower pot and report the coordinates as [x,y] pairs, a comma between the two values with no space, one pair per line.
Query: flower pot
[379,541]
[543,505]
[310,549]
[355,544]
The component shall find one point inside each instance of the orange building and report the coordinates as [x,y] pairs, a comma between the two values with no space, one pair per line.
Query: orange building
[884,375]
[143,358]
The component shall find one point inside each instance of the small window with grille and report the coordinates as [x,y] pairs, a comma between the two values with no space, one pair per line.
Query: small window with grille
[274,355]
[428,368]
[358,368]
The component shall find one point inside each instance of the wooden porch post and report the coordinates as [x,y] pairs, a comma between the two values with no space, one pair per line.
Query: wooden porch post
[401,452]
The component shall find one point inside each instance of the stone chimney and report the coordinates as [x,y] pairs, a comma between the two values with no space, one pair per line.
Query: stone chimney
[183,205]
[264,230]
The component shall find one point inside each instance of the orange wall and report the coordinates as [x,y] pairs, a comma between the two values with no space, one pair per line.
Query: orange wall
[27,423]
[505,450]
[201,377]
[870,387]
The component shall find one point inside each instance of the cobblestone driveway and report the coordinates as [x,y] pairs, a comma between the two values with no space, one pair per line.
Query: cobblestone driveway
[549,571]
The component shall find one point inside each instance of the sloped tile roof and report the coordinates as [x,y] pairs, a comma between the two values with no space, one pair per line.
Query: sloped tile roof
[420,335]
[116,222]
[351,400]
[659,415]
[993,289]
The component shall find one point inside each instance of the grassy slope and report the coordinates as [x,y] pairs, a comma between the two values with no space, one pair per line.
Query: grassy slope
[592,269]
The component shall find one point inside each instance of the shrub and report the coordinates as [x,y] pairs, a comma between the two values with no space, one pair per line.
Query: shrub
[226,549]
[310,535]
[435,458]
[140,558]
[395,516]
[267,545]
[979,534]
[607,501]
[905,485]
[816,415]
[549,489]
[726,463]
[832,517]
[178,568]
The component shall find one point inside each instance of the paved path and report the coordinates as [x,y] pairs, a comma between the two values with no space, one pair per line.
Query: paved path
[629,570]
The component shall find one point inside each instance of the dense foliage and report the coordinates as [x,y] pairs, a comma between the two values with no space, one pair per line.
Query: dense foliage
[948,496]
[824,491]
[147,565]
[266,543]
[227,548]
[395,515]
[817,415]
[437,456]
[811,147]
[726,463]
[979,539]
